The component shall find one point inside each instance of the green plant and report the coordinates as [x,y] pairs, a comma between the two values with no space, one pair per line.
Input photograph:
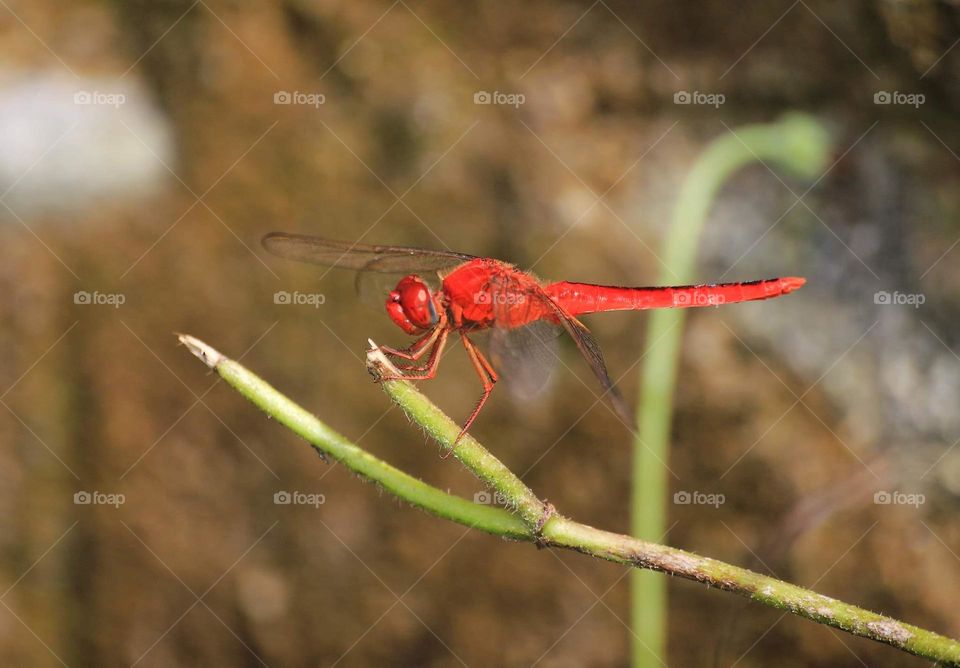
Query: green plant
[530,519]
[796,143]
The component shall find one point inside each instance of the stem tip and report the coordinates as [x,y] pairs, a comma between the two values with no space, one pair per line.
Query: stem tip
[209,355]
[378,364]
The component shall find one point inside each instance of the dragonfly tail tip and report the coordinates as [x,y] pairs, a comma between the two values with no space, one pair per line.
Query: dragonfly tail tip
[792,283]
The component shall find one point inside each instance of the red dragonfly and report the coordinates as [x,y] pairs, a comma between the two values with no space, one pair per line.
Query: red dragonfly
[475,294]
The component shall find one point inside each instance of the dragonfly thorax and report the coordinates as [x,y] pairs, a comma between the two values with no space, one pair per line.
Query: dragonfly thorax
[410,305]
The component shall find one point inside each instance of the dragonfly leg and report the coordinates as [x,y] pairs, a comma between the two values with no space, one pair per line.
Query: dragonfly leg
[487,376]
[416,349]
[429,370]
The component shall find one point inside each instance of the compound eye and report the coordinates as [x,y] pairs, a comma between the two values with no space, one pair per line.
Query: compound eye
[417,302]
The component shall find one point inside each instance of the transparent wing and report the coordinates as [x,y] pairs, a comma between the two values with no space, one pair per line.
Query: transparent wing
[378,268]
[536,339]
[527,355]
[360,257]
[590,350]
[373,287]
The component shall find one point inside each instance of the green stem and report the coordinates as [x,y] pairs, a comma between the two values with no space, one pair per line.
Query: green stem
[559,531]
[402,485]
[471,454]
[797,143]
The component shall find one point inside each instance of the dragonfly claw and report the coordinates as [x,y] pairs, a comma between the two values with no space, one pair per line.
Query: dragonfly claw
[453,448]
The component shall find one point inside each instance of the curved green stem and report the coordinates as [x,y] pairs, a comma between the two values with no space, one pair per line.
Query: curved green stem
[402,485]
[471,454]
[797,143]
[558,531]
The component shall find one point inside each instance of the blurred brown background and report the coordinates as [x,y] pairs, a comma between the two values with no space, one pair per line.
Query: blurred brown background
[142,156]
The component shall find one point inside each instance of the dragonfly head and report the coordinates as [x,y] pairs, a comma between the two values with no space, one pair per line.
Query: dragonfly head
[410,305]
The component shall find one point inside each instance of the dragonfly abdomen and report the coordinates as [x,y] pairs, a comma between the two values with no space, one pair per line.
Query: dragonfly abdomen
[580,298]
